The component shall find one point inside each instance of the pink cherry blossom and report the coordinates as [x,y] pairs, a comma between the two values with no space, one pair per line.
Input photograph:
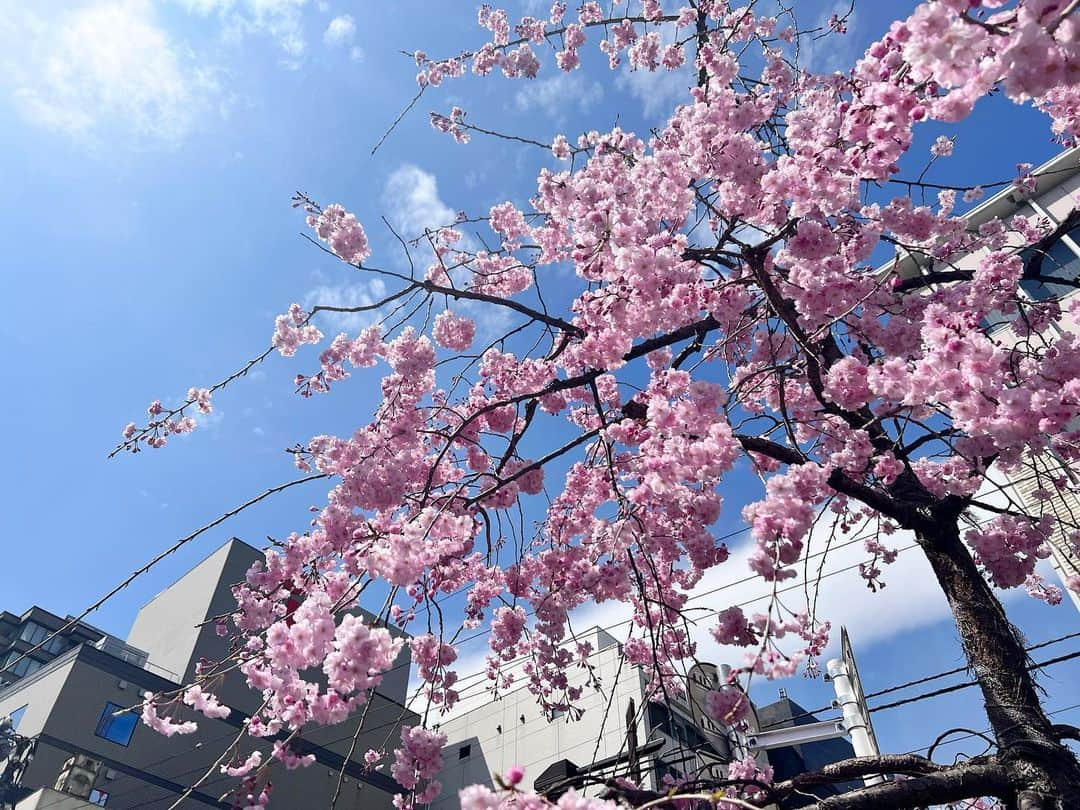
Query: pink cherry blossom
[342,232]
[163,725]
[453,331]
[207,704]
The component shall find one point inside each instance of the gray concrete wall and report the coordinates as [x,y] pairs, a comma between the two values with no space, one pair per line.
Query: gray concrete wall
[65,704]
[37,692]
[167,626]
[48,799]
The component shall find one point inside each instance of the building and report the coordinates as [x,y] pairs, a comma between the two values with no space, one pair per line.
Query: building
[19,634]
[1055,198]
[805,757]
[83,748]
[673,739]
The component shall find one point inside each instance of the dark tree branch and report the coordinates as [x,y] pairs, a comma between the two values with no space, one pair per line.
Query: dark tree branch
[969,780]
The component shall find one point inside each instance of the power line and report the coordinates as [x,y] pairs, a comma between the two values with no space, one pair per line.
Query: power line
[468,690]
[970,735]
[926,679]
[966,684]
[958,670]
[703,594]
[951,741]
[627,621]
[713,611]
[914,699]
[170,550]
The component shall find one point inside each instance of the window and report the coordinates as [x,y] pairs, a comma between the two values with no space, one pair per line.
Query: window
[23,667]
[1057,260]
[464,751]
[998,318]
[98,797]
[55,645]
[686,732]
[660,718]
[16,716]
[666,773]
[33,633]
[116,728]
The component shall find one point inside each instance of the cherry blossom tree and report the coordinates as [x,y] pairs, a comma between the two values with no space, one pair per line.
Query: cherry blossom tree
[724,305]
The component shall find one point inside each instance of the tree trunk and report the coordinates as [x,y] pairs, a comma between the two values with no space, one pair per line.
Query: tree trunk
[1045,774]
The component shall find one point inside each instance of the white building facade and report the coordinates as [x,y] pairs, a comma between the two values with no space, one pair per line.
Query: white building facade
[513,730]
[1056,199]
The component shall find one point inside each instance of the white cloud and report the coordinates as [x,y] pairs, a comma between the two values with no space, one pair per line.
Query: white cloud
[103,70]
[282,20]
[659,91]
[208,421]
[413,202]
[559,95]
[356,53]
[341,31]
[362,294]
[827,52]
[911,599]
[206,7]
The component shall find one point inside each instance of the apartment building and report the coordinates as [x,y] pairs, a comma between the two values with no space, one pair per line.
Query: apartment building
[21,633]
[86,751]
[672,737]
[1051,271]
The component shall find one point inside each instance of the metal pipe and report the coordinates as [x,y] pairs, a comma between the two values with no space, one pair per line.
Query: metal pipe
[855,716]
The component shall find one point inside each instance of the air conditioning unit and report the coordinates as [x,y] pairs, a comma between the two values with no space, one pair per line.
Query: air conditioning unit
[78,775]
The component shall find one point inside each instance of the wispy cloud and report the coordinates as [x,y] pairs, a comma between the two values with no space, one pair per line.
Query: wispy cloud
[363,294]
[341,33]
[559,95]
[414,205]
[911,598]
[658,91]
[282,20]
[413,202]
[827,52]
[103,70]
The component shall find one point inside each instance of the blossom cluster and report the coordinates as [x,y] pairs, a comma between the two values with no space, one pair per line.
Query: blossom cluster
[417,762]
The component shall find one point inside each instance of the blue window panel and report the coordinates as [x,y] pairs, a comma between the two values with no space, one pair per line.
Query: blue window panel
[116,728]
[16,716]
[1058,261]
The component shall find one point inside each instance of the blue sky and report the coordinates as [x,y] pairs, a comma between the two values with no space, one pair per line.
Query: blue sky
[149,153]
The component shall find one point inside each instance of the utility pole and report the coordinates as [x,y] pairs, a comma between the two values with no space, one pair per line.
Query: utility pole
[851,700]
[632,757]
